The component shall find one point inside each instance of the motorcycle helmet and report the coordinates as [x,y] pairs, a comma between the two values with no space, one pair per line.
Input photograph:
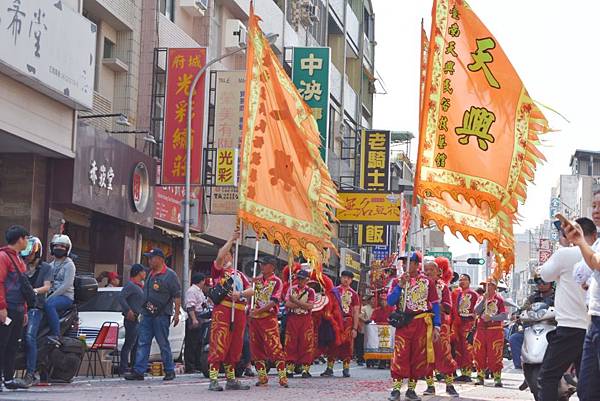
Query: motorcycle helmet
[61,239]
[34,246]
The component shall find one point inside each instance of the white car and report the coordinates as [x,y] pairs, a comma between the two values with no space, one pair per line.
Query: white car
[105,307]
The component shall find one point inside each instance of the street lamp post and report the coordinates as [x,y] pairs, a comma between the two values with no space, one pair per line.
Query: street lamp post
[188,160]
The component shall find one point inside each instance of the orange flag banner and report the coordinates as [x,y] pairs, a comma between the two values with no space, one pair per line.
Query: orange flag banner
[285,192]
[479,131]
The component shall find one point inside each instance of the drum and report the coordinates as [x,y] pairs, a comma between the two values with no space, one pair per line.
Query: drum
[379,341]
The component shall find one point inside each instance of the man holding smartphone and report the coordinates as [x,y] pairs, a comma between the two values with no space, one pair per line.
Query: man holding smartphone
[565,344]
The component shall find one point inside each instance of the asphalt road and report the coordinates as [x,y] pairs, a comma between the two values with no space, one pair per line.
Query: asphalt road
[365,385]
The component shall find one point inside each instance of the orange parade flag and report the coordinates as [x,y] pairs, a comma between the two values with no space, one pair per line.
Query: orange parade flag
[285,192]
[478,140]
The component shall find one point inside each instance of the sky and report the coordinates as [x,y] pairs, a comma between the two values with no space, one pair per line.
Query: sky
[549,42]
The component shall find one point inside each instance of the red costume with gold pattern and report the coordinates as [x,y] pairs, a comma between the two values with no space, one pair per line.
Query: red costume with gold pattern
[226,342]
[299,331]
[488,345]
[265,342]
[413,348]
[348,299]
[463,314]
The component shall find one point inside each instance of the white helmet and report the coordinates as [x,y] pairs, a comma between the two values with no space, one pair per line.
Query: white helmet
[62,240]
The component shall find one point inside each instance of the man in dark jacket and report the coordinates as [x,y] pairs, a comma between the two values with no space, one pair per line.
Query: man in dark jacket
[131,299]
[13,310]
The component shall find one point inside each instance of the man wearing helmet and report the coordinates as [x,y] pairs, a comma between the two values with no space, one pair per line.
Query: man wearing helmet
[40,277]
[62,292]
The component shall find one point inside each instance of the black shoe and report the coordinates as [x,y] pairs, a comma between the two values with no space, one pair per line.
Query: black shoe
[215,386]
[411,396]
[429,391]
[463,379]
[451,391]
[54,340]
[290,375]
[394,396]
[524,385]
[479,381]
[498,384]
[236,385]
[12,384]
[169,376]
[306,375]
[327,373]
[133,376]
[346,372]
[26,382]
[248,372]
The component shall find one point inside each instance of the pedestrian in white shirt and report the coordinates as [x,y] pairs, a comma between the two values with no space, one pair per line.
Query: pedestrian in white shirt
[588,387]
[565,344]
[195,306]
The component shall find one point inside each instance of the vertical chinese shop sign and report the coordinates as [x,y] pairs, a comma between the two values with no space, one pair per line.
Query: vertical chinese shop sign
[374,176]
[310,74]
[229,118]
[182,66]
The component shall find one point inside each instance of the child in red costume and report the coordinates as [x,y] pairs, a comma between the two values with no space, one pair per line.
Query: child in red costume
[444,363]
[299,331]
[350,305]
[464,300]
[489,337]
[265,342]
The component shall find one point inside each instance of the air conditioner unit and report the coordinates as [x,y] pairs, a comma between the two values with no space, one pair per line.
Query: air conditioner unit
[234,35]
[195,8]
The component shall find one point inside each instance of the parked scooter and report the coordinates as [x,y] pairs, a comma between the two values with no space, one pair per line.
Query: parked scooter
[59,362]
[539,321]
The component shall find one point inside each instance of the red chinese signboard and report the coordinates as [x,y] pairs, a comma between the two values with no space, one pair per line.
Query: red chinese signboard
[168,204]
[182,66]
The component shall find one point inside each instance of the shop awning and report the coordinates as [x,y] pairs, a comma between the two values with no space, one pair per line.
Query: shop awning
[179,234]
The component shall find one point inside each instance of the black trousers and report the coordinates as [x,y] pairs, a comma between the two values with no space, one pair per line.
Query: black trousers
[193,346]
[359,347]
[9,339]
[130,345]
[565,346]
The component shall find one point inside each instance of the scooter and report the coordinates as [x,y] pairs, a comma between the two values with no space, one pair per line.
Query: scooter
[58,362]
[539,321]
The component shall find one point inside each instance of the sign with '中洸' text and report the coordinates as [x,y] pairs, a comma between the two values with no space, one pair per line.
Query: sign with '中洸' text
[310,74]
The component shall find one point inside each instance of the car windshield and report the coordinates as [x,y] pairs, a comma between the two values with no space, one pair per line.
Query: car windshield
[103,301]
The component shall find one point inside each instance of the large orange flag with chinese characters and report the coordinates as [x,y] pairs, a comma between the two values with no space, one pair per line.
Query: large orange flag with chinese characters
[479,131]
[286,193]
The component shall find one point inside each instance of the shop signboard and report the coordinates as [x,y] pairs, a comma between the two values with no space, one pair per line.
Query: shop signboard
[48,46]
[182,66]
